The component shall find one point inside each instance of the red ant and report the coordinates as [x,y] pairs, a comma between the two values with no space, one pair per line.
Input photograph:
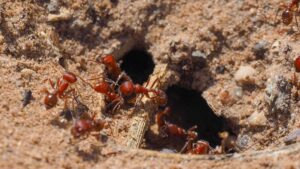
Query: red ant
[107,89]
[128,89]
[174,130]
[289,11]
[86,126]
[169,128]
[113,68]
[200,147]
[61,86]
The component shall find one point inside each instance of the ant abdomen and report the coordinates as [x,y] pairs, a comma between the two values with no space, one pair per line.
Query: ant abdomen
[127,88]
[50,100]
[102,87]
[287,17]
[70,77]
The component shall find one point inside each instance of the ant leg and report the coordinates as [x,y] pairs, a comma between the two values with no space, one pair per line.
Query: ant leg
[116,107]
[297,22]
[297,14]
[77,91]
[123,75]
[45,90]
[281,7]
[193,128]
[50,82]
[146,94]
[114,103]
[84,81]
[186,146]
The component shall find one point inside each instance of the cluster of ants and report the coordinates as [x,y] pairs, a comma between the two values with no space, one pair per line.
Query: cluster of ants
[118,89]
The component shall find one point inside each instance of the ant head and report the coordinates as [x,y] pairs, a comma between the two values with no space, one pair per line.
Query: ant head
[287,17]
[80,127]
[127,88]
[102,87]
[161,98]
[70,77]
[50,100]
[297,64]
[108,60]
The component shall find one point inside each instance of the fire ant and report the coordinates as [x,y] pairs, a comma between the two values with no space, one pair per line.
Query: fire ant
[86,126]
[113,98]
[168,128]
[113,68]
[289,11]
[129,89]
[173,130]
[59,90]
[200,147]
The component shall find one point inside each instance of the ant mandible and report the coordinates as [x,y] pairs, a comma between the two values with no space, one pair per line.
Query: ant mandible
[59,90]
[289,12]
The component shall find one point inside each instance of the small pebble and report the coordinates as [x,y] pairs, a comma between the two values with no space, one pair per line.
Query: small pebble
[278,95]
[257,119]
[67,114]
[238,93]
[62,16]
[245,75]
[220,69]
[243,142]
[53,6]
[225,97]
[27,73]
[199,54]
[166,150]
[260,49]
[293,137]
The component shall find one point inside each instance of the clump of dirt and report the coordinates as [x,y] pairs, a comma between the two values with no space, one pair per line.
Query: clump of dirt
[231,59]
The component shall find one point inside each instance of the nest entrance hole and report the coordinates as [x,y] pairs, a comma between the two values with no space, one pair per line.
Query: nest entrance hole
[138,64]
[188,108]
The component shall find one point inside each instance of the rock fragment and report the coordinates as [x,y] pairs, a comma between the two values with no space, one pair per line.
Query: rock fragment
[257,119]
[63,15]
[260,48]
[245,75]
[293,137]
[278,95]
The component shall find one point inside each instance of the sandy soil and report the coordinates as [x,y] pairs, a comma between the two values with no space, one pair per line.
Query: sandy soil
[234,52]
